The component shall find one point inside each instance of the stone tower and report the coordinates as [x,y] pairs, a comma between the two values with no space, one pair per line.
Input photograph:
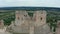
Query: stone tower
[21,24]
[41,27]
[40,17]
[21,16]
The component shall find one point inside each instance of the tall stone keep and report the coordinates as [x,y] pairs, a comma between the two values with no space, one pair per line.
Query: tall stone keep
[41,27]
[21,24]
[40,17]
[20,17]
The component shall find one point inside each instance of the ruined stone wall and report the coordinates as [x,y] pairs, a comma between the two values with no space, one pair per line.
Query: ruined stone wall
[1,24]
[32,25]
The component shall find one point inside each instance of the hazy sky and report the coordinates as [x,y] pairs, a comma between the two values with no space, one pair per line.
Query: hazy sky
[40,3]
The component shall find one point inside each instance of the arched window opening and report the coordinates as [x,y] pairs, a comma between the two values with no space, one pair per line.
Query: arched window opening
[41,18]
[25,15]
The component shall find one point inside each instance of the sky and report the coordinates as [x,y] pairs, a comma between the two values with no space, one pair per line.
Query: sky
[30,3]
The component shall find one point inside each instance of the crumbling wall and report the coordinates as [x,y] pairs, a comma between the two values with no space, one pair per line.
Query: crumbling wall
[32,25]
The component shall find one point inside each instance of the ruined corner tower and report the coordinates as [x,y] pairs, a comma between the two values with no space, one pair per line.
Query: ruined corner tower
[40,17]
[41,27]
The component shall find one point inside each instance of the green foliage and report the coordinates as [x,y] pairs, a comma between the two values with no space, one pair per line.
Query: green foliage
[30,14]
[7,16]
[8,20]
[52,20]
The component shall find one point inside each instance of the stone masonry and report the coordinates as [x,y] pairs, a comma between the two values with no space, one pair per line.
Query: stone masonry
[30,25]
[1,24]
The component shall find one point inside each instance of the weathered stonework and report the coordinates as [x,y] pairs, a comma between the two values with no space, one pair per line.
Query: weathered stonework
[58,27]
[40,17]
[40,23]
[1,24]
[31,25]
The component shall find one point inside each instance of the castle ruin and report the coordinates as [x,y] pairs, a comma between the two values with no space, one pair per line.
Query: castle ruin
[30,24]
